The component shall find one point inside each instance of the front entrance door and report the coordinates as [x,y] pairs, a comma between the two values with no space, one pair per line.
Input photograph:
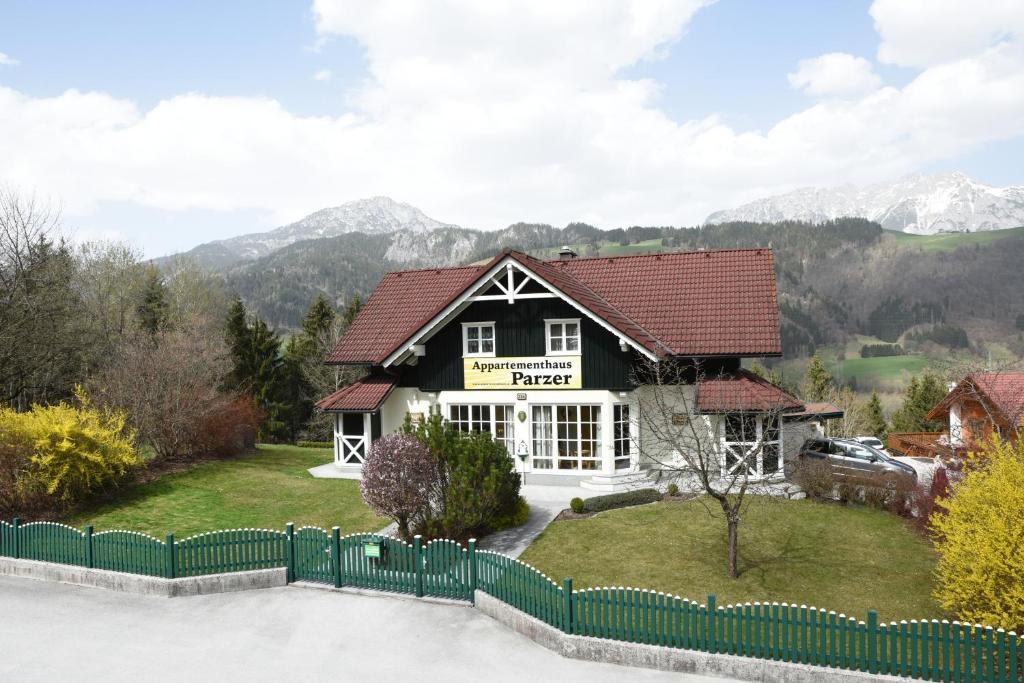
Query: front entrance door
[351,439]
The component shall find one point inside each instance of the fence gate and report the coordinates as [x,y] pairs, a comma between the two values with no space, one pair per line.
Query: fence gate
[440,568]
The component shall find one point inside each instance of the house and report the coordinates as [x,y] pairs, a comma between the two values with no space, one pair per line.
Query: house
[979,405]
[545,356]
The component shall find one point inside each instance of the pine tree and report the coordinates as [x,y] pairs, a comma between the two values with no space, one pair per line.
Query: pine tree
[152,310]
[352,310]
[920,396]
[318,318]
[875,418]
[818,382]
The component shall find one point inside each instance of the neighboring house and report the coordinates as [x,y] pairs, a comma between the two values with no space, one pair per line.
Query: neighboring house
[543,355]
[979,405]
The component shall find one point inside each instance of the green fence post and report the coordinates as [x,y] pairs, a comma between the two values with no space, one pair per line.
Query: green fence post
[15,525]
[417,546]
[872,634]
[472,571]
[289,530]
[88,547]
[336,554]
[567,605]
[169,559]
[712,625]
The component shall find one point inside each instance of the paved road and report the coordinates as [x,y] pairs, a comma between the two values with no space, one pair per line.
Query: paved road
[54,632]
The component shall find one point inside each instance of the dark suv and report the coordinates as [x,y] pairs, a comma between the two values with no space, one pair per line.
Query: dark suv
[856,463]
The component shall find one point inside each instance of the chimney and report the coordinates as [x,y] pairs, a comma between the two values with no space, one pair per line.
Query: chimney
[566,254]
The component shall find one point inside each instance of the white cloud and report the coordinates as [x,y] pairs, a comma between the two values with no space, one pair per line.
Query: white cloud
[322,75]
[7,60]
[835,74]
[923,33]
[487,113]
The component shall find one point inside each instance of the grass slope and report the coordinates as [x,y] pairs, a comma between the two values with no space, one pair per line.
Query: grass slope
[846,559]
[267,489]
[881,369]
[954,240]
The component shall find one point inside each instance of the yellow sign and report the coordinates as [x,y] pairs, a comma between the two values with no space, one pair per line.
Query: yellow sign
[536,372]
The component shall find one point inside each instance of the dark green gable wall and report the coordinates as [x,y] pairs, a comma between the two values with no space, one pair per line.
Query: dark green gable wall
[519,331]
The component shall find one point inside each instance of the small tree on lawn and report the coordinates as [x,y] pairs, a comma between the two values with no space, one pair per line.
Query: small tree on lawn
[979,540]
[876,423]
[691,446]
[399,475]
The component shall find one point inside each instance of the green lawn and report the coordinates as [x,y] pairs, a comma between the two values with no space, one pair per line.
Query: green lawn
[267,489]
[951,241]
[849,559]
[881,369]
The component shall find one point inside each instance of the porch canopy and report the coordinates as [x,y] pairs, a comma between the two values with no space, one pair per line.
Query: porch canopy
[363,396]
[743,391]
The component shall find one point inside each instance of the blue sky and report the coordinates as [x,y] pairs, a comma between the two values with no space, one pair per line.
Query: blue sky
[480,144]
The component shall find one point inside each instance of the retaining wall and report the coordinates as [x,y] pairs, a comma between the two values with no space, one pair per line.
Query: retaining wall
[663,658]
[145,585]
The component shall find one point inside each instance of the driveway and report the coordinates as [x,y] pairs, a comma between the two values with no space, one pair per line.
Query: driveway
[58,632]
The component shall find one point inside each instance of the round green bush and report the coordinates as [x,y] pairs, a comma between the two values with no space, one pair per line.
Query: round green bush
[673,489]
[576,504]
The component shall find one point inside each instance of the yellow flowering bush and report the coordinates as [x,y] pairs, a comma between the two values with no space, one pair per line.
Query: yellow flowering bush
[980,538]
[64,452]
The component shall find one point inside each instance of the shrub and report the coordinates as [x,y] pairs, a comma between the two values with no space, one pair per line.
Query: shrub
[477,481]
[64,453]
[621,500]
[815,477]
[314,444]
[398,477]
[673,489]
[576,505]
[980,562]
[228,427]
[517,517]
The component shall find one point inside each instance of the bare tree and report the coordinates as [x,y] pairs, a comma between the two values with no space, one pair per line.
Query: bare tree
[724,443]
[326,379]
[168,383]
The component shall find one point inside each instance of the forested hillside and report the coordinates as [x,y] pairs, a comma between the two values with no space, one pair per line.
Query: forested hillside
[836,280]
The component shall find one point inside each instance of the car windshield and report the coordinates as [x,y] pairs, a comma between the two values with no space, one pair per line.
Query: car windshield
[874,443]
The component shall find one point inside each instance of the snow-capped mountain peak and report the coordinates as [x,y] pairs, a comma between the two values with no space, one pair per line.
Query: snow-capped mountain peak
[920,204]
[373,215]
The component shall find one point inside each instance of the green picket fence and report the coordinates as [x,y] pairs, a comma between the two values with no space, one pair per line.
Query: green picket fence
[927,649]
[524,588]
[230,550]
[127,551]
[52,542]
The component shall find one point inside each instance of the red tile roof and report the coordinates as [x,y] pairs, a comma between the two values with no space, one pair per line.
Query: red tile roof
[1002,391]
[741,391]
[364,395]
[704,303]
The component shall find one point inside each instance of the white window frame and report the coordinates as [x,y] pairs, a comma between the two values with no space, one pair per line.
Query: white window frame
[551,439]
[563,322]
[754,446]
[479,326]
[622,435]
[490,425]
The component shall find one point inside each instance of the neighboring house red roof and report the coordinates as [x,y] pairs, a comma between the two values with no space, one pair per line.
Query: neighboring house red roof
[703,303]
[1002,391]
[743,391]
[364,395]
[820,410]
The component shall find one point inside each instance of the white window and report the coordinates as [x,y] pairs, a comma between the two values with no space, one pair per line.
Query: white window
[496,420]
[569,436]
[622,441]
[751,445]
[563,337]
[478,339]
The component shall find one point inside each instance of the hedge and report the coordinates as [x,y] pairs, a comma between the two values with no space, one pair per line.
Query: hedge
[314,444]
[621,500]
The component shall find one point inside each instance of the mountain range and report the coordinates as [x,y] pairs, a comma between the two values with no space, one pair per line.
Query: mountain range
[916,204]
